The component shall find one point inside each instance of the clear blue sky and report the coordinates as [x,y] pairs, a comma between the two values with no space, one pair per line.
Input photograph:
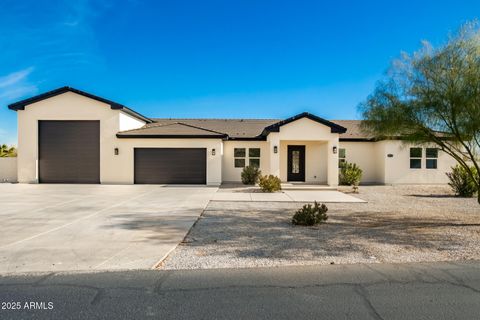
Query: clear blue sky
[213,58]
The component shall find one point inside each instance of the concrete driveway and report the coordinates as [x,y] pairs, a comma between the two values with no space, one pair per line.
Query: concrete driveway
[93,227]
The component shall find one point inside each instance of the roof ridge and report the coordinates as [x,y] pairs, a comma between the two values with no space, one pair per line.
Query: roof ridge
[204,129]
[228,119]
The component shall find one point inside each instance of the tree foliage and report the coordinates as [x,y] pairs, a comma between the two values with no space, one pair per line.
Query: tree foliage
[6,151]
[433,96]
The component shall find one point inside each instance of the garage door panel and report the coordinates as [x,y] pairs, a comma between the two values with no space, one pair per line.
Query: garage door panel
[170,165]
[69,151]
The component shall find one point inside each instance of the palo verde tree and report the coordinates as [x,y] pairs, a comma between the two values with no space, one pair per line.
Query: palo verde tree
[433,97]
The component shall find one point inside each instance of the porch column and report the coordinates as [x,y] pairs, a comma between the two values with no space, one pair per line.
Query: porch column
[274,141]
[332,166]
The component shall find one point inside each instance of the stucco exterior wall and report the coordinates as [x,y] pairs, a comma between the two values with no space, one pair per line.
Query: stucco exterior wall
[128,122]
[67,106]
[232,174]
[397,168]
[122,165]
[367,157]
[8,169]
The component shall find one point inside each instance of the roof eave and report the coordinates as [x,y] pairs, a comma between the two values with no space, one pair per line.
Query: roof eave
[20,105]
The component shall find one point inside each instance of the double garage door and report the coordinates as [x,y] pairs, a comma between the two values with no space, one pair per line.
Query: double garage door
[69,152]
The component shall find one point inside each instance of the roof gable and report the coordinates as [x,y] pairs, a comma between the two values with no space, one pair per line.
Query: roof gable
[334,128]
[20,105]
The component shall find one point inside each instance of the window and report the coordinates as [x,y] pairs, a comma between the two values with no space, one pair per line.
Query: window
[239,155]
[254,157]
[342,155]
[432,155]
[416,158]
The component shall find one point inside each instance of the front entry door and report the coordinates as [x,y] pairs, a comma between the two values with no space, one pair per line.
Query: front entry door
[296,163]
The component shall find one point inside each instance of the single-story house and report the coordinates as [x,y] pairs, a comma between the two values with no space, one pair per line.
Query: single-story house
[70,136]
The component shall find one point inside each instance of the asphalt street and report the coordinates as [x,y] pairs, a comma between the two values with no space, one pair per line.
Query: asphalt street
[374,291]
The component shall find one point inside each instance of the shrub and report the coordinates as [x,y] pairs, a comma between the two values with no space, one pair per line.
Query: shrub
[270,183]
[461,182]
[250,174]
[350,175]
[309,216]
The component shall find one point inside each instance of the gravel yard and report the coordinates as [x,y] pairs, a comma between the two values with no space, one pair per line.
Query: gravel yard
[398,224]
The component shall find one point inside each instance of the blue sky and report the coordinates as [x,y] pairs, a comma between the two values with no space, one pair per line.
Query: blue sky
[268,59]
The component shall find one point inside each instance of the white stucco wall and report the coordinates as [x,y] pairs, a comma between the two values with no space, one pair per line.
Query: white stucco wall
[397,168]
[367,157]
[372,157]
[122,165]
[127,122]
[8,169]
[232,174]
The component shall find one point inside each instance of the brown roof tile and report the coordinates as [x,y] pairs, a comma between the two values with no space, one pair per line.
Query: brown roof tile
[234,128]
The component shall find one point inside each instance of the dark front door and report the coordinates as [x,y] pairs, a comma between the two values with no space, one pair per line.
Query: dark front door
[296,163]
[69,151]
[170,165]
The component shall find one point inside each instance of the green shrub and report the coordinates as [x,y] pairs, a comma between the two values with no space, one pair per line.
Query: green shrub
[309,216]
[461,182]
[350,174]
[250,174]
[270,183]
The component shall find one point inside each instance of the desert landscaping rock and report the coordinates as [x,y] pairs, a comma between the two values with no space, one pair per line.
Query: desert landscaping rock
[397,224]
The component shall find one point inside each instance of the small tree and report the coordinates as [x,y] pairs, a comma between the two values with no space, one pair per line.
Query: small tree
[350,175]
[6,151]
[433,97]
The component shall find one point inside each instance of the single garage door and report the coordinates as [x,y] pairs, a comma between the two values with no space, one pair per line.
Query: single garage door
[69,151]
[171,165]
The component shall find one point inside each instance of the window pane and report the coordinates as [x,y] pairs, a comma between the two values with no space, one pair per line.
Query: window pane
[431,163]
[254,162]
[415,152]
[239,152]
[342,153]
[239,163]
[340,162]
[432,153]
[254,152]
[415,163]
[295,161]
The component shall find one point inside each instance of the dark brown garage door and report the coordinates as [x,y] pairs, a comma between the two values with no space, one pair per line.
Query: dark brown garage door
[69,151]
[171,165]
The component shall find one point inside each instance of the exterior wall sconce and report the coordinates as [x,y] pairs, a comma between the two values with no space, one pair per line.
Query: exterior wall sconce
[115,151]
[213,152]
[275,149]
[335,150]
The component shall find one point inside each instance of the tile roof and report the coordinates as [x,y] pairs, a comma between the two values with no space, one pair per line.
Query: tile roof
[233,128]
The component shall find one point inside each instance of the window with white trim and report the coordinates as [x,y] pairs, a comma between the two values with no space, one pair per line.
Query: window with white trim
[431,155]
[416,158]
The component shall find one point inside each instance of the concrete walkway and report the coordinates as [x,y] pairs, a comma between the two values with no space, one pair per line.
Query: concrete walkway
[94,227]
[397,292]
[254,194]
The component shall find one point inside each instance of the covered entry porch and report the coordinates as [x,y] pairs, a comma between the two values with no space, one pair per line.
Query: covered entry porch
[305,149]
